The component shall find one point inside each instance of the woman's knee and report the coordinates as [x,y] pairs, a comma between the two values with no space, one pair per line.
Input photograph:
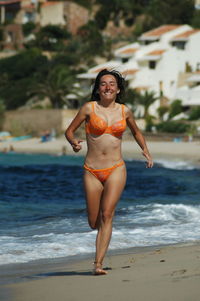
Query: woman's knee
[107,216]
[93,224]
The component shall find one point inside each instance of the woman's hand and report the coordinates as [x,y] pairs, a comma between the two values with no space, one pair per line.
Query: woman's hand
[76,145]
[149,159]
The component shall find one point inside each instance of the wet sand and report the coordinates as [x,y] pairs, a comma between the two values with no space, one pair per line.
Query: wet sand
[153,274]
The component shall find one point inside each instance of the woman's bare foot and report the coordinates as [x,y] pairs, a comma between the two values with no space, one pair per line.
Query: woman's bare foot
[98,269]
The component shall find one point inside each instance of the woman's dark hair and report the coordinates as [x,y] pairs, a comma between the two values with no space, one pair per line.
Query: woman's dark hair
[120,83]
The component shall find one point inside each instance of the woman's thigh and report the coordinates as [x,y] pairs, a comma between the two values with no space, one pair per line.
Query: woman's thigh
[93,193]
[113,189]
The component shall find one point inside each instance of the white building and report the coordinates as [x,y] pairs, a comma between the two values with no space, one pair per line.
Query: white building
[155,62]
[189,93]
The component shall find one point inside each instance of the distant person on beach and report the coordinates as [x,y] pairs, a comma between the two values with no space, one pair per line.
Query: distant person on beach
[104,169]
[64,151]
[46,136]
[11,149]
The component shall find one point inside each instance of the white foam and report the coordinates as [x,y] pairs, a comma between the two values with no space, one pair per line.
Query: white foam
[172,164]
[140,225]
[52,246]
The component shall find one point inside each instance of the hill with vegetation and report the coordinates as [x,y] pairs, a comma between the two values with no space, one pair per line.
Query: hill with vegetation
[49,63]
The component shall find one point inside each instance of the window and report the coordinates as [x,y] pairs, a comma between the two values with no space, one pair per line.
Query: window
[147,42]
[152,64]
[29,17]
[179,44]
[124,60]
[198,67]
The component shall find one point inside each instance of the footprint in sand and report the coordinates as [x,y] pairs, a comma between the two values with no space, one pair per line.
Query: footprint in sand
[125,280]
[126,267]
[179,272]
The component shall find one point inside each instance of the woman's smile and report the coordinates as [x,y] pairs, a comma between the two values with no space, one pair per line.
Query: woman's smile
[108,87]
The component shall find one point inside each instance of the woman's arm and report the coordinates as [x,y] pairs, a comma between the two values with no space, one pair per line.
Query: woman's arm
[138,136]
[74,125]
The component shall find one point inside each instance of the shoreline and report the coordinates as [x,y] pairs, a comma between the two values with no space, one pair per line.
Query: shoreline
[14,273]
[153,273]
[160,150]
[147,273]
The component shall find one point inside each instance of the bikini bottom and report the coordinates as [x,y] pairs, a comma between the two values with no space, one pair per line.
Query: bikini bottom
[102,174]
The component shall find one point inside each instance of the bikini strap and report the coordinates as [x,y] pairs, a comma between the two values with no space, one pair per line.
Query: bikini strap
[92,106]
[123,112]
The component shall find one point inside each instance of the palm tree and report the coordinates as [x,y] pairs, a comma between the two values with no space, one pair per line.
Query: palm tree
[147,99]
[162,110]
[131,97]
[58,83]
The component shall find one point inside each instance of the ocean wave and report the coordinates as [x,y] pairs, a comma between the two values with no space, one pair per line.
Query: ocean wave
[43,211]
[179,165]
[143,225]
[162,213]
[18,250]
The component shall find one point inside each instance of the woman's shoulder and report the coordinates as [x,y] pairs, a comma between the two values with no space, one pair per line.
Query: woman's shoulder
[87,107]
[126,108]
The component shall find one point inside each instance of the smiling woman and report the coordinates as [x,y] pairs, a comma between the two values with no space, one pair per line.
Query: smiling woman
[104,168]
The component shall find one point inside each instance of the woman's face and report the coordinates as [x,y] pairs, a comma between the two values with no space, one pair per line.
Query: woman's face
[108,88]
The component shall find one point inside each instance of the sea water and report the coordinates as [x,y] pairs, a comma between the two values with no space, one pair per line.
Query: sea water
[43,212]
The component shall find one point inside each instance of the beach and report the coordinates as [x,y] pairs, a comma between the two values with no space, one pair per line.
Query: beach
[178,151]
[154,274]
[160,273]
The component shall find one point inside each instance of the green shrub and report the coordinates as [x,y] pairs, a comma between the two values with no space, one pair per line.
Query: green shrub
[194,113]
[2,112]
[85,3]
[50,38]
[18,74]
[149,123]
[175,108]
[1,34]
[173,127]
[28,28]
[196,19]
[161,111]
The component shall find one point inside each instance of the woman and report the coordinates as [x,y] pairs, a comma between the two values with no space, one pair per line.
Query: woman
[104,169]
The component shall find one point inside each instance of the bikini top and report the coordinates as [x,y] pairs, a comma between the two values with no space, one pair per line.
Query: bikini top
[97,126]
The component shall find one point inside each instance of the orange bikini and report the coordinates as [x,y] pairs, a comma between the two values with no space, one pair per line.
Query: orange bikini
[102,174]
[97,126]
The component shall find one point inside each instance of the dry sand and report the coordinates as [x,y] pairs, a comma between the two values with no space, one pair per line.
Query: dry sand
[169,150]
[170,273]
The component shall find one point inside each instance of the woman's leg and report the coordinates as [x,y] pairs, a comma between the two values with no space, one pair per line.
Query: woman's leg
[113,188]
[93,193]
[101,202]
